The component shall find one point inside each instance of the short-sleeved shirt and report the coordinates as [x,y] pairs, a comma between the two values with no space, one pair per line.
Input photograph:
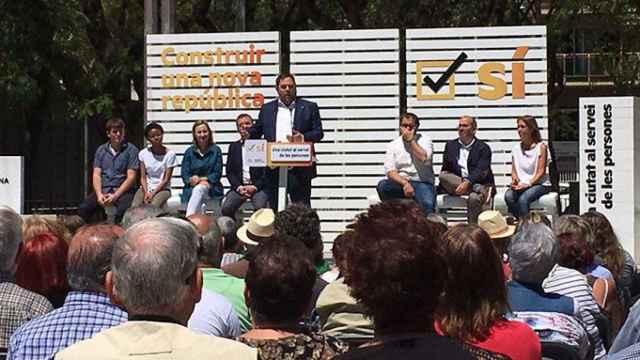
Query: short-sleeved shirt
[114,166]
[17,306]
[399,158]
[231,288]
[156,165]
[214,315]
[83,315]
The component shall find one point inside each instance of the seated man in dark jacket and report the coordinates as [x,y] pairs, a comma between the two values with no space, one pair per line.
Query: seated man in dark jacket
[466,168]
[246,182]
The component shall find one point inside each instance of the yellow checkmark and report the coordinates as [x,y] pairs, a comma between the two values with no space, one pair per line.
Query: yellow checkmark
[420,95]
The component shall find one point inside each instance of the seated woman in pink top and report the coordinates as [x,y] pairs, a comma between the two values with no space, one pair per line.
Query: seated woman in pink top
[474,303]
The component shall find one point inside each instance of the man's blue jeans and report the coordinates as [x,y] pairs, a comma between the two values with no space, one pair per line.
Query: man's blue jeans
[519,201]
[424,193]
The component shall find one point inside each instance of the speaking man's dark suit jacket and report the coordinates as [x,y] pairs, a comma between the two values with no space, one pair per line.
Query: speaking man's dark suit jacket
[478,162]
[306,120]
[234,168]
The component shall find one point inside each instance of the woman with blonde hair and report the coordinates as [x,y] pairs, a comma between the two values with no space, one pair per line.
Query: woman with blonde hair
[201,169]
[529,178]
[35,225]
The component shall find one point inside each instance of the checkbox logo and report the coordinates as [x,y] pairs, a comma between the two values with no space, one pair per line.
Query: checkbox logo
[427,89]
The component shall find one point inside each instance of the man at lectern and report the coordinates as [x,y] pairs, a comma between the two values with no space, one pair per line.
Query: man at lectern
[289,119]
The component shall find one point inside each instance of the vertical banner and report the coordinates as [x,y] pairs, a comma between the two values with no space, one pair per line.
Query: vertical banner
[609,165]
[12,182]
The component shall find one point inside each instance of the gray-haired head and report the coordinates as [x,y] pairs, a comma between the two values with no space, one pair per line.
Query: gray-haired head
[138,213]
[211,246]
[533,252]
[89,257]
[10,237]
[154,263]
[574,224]
[228,228]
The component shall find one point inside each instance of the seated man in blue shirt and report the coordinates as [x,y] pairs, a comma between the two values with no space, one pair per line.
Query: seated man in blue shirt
[115,166]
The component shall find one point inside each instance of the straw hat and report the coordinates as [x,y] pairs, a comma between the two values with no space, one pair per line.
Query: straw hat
[495,224]
[260,226]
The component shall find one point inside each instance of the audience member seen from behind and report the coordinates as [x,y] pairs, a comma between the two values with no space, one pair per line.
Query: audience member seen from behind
[257,231]
[214,314]
[154,275]
[279,288]
[572,283]
[574,235]
[340,315]
[408,167]
[395,268]
[17,305]
[201,169]
[574,224]
[87,309]
[533,253]
[115,166]
[213,278]
[135,214]
[72,223]
[232,249]
[156,167]
[36,224]
[529,178]
[474,269]
[607,246]
[41,267]
[300,222]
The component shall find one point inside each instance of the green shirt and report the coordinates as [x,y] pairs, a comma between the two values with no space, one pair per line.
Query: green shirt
[231,288]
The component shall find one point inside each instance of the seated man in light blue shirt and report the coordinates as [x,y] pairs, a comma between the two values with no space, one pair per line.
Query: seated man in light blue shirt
[407,165]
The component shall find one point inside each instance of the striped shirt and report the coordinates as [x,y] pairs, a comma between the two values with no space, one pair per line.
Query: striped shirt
[569,282]
[82,315]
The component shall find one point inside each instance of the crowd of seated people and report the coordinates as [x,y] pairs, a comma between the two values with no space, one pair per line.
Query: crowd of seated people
[407,286]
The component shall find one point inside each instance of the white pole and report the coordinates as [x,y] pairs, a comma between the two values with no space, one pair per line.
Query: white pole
[282,188]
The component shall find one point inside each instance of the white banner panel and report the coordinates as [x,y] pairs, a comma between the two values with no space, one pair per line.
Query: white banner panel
[610,163]
[493,74]
[354,76]
[12,182]
[213,77]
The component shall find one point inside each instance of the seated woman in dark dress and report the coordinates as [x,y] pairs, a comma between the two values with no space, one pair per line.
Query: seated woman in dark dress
[396,269]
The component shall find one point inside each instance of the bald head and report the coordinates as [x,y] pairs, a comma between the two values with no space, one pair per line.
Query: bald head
[202,222]
[89,256]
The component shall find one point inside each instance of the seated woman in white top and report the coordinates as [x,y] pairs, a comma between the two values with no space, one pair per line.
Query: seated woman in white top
[156,167]
[529,178]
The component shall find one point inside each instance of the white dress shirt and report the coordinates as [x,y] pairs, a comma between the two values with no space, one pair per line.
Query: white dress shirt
[400,159]
[463,157]
[284,120]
